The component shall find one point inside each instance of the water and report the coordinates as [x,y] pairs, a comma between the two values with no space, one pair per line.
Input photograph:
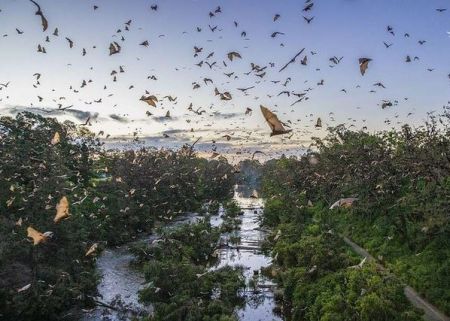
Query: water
[119,280]
[121,283]
[247,253]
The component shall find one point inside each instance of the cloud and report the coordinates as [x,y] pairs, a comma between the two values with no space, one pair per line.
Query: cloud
[186,131]
[242,144]
[232,151]
[159,141]
[164,119]
[119,118]
[226,115]
[175,131]
[76,113]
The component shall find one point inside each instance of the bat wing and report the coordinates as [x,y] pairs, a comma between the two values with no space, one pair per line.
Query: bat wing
[273,121]
[44,22]
[363,65]
[56,139]
[92,249]
[37,236]
[62,209]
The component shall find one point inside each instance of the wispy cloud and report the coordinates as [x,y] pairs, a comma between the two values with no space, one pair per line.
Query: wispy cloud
[76,113]
[164,119]
[119,118]
[226,115]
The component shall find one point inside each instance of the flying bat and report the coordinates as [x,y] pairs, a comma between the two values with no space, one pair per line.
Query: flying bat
[62,209]
[39,13]
[274,123]
[364,64]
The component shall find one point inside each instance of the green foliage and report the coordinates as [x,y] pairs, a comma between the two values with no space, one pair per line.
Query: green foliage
[232,208]
[401,180]
[231,221]
[180,286]
[250,172]
[113,197]
[34,175]
[320,279]
[158,185]
[352,294]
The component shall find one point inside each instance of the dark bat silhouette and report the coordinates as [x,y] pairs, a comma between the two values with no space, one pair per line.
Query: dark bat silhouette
[292,60]
[39,13]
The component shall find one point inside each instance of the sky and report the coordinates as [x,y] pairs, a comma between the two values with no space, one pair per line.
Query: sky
[343,28]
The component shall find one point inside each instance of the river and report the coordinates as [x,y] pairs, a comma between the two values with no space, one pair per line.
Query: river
[121,283]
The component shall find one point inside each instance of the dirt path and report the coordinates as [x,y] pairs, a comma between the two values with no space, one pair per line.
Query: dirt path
[431,313]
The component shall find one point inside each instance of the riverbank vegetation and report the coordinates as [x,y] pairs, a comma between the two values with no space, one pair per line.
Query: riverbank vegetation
[182,285]
[64,198]
[401,180]
[77,198]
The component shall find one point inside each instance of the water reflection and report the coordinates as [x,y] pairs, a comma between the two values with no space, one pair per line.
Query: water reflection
[247,253]
[121,283]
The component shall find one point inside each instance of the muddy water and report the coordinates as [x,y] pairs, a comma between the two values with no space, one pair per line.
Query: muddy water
[121,283]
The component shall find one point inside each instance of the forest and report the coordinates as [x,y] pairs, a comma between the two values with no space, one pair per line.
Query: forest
[246,160]
[113,197]
[79,199]
[394,189]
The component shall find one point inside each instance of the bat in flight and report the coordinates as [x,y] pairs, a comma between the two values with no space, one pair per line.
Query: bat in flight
[39,13]
[275,124]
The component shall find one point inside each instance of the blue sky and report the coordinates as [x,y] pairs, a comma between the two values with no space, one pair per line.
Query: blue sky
[348,28]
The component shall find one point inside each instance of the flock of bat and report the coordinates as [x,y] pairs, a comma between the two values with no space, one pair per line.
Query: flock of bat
[152,100]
